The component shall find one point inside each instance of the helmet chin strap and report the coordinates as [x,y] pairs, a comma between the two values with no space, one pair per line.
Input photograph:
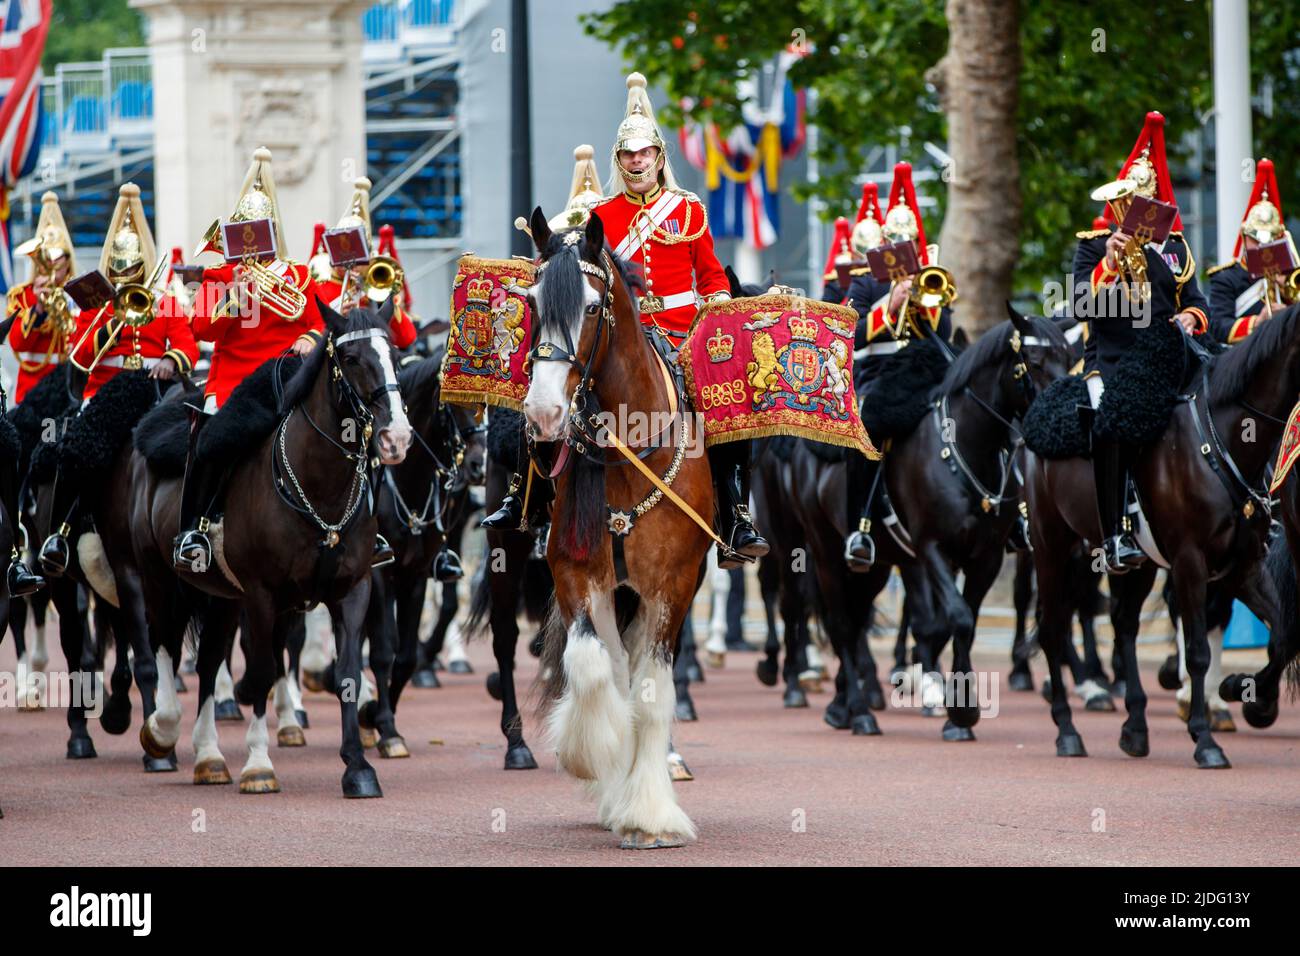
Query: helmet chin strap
[635,179]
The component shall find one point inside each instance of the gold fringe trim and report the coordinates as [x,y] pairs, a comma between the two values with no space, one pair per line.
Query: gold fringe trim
[465,397]
[794,431]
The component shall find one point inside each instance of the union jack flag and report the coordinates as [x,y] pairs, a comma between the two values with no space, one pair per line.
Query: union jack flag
[22,42]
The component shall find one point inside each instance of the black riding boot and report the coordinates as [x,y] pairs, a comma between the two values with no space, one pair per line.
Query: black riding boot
[56,550]
[21,580]
[510,516]
[859,548]
[1110,469]
[730,466]
[192,548]
[383,553]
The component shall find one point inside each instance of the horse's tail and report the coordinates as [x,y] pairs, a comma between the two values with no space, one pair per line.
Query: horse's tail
[550,673]
[480,604]
[1280,565]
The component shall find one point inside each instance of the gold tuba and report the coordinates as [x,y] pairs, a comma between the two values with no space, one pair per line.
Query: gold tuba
[384,277]
[1118,195]
[280,293]
[133,301]
[934,288]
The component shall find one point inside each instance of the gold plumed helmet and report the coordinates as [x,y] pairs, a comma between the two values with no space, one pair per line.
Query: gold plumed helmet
[1263,222]
[358,213]
[257,196]
[900,224]
[639,130]
[1143,175]
[584,191]
[52,242]
[128,252]
[867,235]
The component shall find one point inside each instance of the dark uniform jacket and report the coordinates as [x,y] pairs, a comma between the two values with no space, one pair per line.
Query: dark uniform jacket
[1236,300]
[1116,323]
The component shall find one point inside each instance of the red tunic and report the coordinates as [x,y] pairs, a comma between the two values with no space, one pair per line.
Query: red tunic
[38,346]
[240,345]
[679,272]
[167,336]
[400,326]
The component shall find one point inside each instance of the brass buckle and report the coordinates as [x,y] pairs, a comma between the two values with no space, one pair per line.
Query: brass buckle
[650,304]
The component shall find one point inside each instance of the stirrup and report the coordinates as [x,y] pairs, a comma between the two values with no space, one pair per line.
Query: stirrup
[193,551]
[856,562]
[729,558]
[383,554]
[55,552]
[447,567]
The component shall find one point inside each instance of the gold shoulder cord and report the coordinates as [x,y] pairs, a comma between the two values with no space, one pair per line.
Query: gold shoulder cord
[686,235]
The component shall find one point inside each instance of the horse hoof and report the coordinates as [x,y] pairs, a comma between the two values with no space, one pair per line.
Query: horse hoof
[766,671]
[313,681]
[290,736]
[1184,710]
[837,716]
[1221,722]
[694,674]
[180,685]
[1212,758]
[160,764]
[1019,680]
[875,699]
[677,769]
[493,685]
[303,722]
[956,734]
[1070,745]
[963,716]
[864,725]
[1233,687]
[459,667]
[211,772]
[1100,703]
[715,659]
[795,697]
[258,781]
[685,710]
[1168,673]
[82,748]
[810,682]
[362,783]
[1135,743]
[424,679]
[520,757]
[393,748]
[228,710]
[369,738]
[640,840]
[1259,715]
[934,712]
[116,718]
[32,704]
[151,746]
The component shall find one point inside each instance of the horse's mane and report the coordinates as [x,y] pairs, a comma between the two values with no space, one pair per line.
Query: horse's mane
[564,286]
[300,386]
[992,347]
[1231,374]
[414,378]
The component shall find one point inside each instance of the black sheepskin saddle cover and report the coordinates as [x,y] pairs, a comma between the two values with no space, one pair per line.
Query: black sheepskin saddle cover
[91,444]
[48,402]
[11,446]
[896,399]
[1135,408]
[505,429]
[249,415]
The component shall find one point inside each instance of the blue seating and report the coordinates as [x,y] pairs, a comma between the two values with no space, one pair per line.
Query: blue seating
[133,100]
[85,114]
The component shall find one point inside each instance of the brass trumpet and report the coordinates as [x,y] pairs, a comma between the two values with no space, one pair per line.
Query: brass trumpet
[133,301]
[1118,195]
[933,288]
[384,277]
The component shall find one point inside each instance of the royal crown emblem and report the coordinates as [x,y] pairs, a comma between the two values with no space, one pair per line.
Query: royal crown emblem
[839,326]
[802,328]
[720,346]
[479,291]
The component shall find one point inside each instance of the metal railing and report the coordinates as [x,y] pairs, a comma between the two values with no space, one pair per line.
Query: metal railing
[408,21]
[92,105]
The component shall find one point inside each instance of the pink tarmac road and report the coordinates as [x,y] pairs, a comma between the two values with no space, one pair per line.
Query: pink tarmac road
[772,786]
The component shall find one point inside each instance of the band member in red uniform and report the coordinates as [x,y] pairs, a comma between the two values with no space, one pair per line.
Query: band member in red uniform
[249,318]
[42,316]
[106,344]
[400,327]
[665,229]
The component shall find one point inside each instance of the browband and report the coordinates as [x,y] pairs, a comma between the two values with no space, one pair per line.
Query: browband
[360,334]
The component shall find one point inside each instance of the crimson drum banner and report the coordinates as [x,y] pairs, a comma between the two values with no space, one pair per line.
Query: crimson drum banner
[491,326]
[775,364]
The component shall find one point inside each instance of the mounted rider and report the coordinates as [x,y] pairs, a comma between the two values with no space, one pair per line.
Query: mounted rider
[849,247]
[330,280]
[251,311]
[1124,289]
[106,344]
[1238,300]
[665,230]
[889,317]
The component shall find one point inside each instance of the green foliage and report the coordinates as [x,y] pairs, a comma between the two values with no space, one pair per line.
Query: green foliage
[81,30]
[1089,74]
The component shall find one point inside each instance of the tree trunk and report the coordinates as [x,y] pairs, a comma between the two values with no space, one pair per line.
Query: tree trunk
[979,85]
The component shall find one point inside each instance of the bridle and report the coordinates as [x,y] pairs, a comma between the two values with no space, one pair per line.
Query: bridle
[444,480]
[343,393]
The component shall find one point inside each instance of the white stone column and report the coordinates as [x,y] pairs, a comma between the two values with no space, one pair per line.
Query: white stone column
[231,76]
[1232,140]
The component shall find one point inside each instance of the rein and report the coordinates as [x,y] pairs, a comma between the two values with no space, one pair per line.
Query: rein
[1243,495]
